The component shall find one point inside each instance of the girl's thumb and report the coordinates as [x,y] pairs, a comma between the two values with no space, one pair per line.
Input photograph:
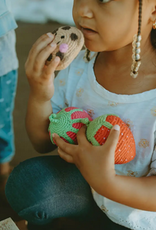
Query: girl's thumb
[113,137]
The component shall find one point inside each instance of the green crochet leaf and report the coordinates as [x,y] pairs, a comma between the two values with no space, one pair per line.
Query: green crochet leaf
[95,125]
[61,123]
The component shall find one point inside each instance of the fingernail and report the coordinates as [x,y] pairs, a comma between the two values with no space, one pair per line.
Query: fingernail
[55,135]
[50,35]
[53,44]
[116,127]
[57,59]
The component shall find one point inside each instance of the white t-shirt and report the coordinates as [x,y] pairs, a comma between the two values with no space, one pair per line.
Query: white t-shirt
[77,86]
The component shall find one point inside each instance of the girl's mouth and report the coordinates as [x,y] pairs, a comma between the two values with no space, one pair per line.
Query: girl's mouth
[88,31]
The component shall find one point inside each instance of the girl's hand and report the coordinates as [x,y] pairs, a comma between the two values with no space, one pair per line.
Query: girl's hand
[96,163]
[41,77]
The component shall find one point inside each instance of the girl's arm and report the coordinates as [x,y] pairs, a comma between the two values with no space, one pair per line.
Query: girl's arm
[96,163]
[139,193]
[37,122]
[40,79]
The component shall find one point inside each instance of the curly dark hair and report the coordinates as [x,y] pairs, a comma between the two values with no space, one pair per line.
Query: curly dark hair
[153,38]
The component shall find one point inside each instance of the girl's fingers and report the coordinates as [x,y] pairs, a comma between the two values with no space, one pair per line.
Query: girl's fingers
[49,70]
[81,136]
[66,147]
[38,46]
[42,57]
[113,138]
[45,38]
[47,35]
[65,156]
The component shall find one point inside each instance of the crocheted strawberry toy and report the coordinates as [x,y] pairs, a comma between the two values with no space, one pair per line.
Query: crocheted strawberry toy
[99,129]
[67,122]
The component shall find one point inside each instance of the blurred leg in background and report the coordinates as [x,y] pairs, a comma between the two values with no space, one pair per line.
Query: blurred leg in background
[8,85]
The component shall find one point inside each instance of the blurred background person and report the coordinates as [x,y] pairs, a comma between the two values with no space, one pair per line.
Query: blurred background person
[8,82]
[42,11]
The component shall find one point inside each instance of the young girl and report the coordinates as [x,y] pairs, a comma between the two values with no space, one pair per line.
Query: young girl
[111,81]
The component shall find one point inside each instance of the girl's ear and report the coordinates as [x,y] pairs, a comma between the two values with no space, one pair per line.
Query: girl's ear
[153,14]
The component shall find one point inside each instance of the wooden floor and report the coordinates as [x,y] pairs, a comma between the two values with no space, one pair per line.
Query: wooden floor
[26,36]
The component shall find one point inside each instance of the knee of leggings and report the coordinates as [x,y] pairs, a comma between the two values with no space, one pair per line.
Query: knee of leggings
[69,206]
[23,201]
[37,195]
[45,211]
[26,185]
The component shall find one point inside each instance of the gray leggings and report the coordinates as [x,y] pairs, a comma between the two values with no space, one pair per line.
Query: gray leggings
[44,188]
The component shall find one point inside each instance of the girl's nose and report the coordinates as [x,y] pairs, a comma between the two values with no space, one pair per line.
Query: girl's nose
[85,9]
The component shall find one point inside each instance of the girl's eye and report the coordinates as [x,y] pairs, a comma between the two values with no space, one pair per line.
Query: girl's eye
[104,1]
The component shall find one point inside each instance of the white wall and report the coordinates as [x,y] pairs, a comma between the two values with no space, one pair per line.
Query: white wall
[40,11]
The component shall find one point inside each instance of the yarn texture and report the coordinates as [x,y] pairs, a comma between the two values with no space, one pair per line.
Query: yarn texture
[70,41]
[67,122]
[98,131]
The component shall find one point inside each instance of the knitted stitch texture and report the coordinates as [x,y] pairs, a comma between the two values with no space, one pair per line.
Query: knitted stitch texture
[70,41]
[67,122]
[98,131]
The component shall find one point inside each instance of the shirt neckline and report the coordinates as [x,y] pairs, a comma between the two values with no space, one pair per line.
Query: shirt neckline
[119,98]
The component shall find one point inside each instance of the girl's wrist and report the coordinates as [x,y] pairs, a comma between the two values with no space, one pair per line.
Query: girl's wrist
[38,99]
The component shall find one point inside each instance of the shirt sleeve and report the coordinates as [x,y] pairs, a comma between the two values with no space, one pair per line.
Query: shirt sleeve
[58,100]
[152,171]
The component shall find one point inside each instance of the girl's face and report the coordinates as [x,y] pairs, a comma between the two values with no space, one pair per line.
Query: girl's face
[108,24]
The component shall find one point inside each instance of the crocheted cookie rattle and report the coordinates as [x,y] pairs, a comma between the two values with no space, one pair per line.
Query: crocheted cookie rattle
[67,122]
[69,42]
[99,129]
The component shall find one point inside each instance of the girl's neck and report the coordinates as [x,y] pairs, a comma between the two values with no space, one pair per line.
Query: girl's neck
[122,59]
[112,71]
